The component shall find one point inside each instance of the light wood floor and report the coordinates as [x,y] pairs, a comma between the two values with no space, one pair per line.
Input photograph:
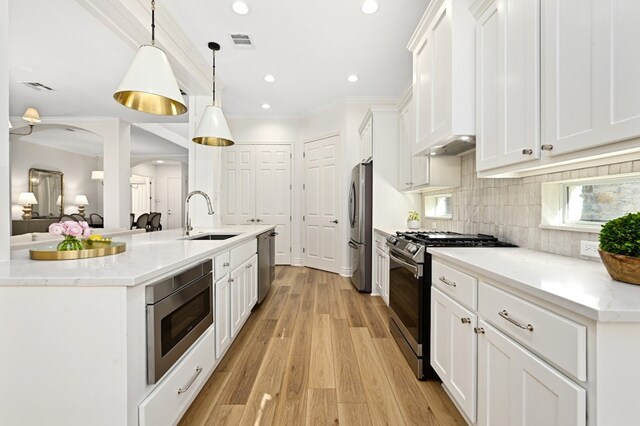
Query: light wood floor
[318,352]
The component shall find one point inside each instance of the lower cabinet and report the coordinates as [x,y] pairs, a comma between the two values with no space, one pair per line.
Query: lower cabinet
[222,324]
[243,282]
[517,388]
[453,350]
[382,274]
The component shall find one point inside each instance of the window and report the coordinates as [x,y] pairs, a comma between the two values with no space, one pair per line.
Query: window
[437,206]
[588,203]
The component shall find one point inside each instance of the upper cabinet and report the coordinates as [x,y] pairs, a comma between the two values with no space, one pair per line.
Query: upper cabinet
[366,140]
[507,83]
[590,73]
[443,75]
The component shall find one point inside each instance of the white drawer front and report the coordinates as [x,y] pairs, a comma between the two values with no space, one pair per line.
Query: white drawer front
[556,338]
[165,406]
[460,286]
[241,254]
[221,265]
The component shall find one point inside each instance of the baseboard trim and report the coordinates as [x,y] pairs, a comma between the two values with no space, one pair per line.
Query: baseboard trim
[345,272]
[297,261]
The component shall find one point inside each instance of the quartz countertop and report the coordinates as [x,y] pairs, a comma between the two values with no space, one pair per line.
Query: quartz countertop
[581,286]
[148,256]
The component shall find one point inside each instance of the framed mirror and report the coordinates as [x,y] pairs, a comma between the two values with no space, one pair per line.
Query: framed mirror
[47,186]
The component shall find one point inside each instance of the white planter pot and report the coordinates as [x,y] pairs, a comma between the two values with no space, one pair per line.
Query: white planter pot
[413,224]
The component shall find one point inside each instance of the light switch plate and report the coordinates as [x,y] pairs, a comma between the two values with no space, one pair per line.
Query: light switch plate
[589,248]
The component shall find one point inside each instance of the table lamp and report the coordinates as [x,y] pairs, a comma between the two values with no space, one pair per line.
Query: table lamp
[27,200]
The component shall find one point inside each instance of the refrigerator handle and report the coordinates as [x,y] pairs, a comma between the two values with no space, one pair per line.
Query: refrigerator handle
[353,245]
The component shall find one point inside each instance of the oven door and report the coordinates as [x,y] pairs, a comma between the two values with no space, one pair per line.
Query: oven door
[175,323]
[406,291]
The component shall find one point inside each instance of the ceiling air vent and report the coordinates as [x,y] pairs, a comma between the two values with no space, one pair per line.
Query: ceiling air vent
[241,40]
[36,86]
[183,93]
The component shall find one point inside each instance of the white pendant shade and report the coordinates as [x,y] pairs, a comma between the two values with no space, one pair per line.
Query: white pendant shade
[150,86]
[213,129]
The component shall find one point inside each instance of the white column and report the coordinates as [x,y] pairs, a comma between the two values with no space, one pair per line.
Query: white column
[117,170]
[204,169]
[5,166]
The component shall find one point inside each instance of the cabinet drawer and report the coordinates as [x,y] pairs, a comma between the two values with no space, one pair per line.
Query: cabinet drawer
[242,253]
[165,405]
[560,340]
[221,265]
[460,286]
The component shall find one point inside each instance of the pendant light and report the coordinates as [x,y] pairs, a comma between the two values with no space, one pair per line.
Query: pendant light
[213,129]
[149,85]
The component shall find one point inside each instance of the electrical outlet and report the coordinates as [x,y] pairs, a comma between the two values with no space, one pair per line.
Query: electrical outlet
[589,248]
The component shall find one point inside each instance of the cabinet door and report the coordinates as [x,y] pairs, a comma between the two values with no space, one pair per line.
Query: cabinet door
[238,201]
[405,141]
[589,79]
[453,349]
[366,140]
[517,388]
[384,277]
[223,324]
[238,304]
[252,283]
[507,83]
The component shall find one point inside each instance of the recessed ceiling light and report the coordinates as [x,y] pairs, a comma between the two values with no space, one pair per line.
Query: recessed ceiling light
[353,78]
[269,78]
[240,7]
[266,106]
[369,7]
[159,161]
[433,153]
[465,138]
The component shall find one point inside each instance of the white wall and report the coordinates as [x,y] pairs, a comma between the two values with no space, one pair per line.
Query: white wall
[76,168]
[5,179]
[162,174]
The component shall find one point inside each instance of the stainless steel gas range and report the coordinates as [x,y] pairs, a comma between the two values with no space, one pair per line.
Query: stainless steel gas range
[409,289]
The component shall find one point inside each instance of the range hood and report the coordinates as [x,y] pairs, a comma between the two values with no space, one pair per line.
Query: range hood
[454,146]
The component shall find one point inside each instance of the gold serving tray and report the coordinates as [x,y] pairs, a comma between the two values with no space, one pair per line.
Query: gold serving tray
[51,253]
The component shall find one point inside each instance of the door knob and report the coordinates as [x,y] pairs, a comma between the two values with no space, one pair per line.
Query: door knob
[259,220]
[251,220]
[334,221]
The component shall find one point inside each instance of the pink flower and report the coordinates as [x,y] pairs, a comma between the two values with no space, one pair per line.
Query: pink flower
[86,231]
[74,229]
[57,229]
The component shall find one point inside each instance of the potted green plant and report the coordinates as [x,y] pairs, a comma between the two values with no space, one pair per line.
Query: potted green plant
[620,248]
[413,221]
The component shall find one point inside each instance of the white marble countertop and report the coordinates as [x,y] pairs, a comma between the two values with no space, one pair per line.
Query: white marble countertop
[148,256]
[581,286]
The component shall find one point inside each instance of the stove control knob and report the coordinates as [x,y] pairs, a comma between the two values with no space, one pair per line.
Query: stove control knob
[392,240]
[412,249]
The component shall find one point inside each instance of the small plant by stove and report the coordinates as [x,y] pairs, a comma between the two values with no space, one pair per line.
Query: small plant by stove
[620,248]
[413,221]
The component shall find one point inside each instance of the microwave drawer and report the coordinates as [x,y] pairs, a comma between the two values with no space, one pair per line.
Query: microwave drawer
[561,341]
[173,394]
[456,284]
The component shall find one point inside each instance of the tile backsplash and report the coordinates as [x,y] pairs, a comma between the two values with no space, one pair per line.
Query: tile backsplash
[510,208]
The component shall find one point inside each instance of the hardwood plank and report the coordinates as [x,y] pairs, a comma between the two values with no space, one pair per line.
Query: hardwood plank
[322,407]
[274,308]
[378,300]
[347,373]
[292,399]
[352,307]
[321,298]
[204,403]
[244,375]
[372,319]
[336,302]
[442,407]
[404,384]
[233,355]
[383,407]
[298,281]
[345,283]
[321,369]
[287,320]
[354,414]
[225,415]
[261,404]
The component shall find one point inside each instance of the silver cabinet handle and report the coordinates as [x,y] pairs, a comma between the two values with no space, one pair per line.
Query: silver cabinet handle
[547,147]
[447,282]
[478,330]
[231,280]
[193,379]
[526,151]
[251,220]
[225,264]
[504,314]
[259,220]
[465,320]
[334,221]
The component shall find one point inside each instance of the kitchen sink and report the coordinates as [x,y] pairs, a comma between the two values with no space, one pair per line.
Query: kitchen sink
[214,237]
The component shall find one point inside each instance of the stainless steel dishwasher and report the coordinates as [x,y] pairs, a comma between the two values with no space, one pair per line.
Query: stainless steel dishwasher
[266,262]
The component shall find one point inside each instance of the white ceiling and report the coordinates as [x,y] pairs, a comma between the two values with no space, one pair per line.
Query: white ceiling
[310,47]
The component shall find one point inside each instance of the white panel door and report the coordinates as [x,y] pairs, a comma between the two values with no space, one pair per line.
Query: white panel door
[322,204]
[273,195]
[238,185]
[174,203]
[517,388]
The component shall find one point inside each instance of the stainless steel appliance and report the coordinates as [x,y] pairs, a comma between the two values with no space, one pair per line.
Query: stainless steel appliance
[266,263]
[360,222]
[409,290]
[179,310]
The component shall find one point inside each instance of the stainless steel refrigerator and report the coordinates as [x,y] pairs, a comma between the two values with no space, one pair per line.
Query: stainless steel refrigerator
[360,222]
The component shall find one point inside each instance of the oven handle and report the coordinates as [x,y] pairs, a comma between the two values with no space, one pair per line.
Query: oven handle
[412,268]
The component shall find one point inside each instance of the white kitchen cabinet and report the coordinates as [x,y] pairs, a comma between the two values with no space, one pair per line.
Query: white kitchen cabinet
[589,75]
[443,74]
[238,299]
[366,140]
[223,324]
[413,170]
[256,188]
[453,350]
[382,274]
[507,82]
[517,388]
[252,283]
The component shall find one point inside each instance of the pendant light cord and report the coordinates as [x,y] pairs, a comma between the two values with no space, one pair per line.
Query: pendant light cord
[214,77]
[153,22]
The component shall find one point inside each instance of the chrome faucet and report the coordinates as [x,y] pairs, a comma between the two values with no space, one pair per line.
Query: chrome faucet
[187,222]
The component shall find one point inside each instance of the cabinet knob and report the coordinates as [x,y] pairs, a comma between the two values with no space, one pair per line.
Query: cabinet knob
[251,220]
[465,320]
[478,330]
[527,151]
[334,221]
[231,280]
[547,147]
[259,220]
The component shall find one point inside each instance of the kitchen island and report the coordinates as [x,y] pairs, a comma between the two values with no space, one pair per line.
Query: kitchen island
[73,333]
